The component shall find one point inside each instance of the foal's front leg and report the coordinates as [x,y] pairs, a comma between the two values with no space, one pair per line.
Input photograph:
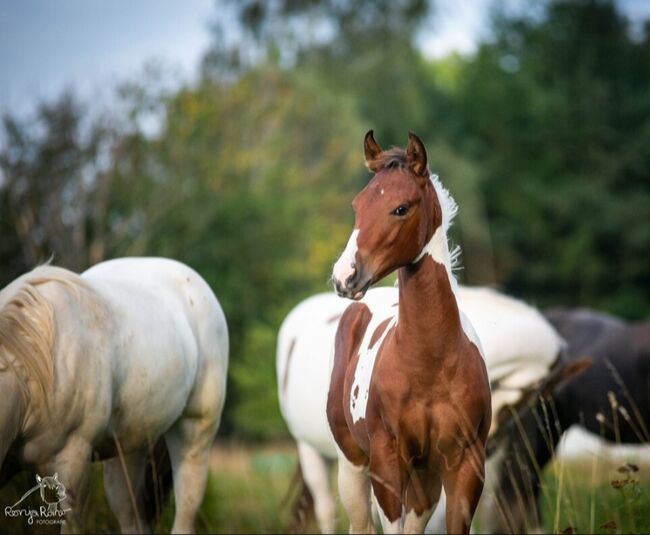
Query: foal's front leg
[464,485]
[387,481]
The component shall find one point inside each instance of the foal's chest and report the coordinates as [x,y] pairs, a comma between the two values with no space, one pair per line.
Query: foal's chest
[359,379]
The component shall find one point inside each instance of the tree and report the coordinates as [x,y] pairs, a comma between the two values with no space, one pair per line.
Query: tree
[55,188]
[557,112]
[250,184]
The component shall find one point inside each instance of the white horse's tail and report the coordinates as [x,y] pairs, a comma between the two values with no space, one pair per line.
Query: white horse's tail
[158,482]
[302,503]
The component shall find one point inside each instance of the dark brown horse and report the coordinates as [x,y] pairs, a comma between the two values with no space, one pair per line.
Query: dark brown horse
[409,398]
[610,399]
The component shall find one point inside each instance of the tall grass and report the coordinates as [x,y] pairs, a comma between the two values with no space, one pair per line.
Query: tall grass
[247,484]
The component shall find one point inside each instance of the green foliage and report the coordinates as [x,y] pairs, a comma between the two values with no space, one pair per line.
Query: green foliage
[53,187]
[557,112]
[542,137]
[250,184]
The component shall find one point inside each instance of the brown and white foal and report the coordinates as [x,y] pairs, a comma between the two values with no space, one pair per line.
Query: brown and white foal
[409,398]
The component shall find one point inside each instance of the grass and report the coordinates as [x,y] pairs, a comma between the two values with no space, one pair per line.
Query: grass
[597,497]
[247,484]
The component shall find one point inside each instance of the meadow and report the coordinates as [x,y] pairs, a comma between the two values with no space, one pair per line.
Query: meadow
[542,135]
[248,484]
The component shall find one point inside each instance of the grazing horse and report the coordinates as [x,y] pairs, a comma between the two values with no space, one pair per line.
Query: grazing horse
[520,348]
[99,367]
[610,399]
[409,398]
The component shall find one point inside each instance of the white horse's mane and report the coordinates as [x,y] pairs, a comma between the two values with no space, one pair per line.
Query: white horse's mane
[27,328]
[449,209]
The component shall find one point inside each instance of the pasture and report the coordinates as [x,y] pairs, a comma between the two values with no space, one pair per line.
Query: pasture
[250,171]
[247,484]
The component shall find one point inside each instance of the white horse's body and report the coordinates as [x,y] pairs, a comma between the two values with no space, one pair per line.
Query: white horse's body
[138,350]
[519,347]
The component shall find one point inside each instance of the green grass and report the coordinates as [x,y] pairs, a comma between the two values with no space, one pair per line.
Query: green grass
[248,483]
[596,498]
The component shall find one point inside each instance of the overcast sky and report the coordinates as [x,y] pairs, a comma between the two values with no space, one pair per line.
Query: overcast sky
[47,45]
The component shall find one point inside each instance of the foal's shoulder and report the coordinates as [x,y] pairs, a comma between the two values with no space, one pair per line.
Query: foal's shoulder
[352,327]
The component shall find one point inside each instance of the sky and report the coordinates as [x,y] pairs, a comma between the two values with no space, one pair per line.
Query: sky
[90,45]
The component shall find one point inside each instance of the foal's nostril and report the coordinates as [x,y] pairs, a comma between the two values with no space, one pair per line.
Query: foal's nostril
[337,285]
[352,279]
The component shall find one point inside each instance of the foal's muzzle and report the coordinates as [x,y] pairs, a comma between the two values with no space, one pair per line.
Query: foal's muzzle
[354,287]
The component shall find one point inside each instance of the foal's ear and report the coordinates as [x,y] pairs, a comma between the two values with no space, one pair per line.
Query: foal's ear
[416,156]
[372,151]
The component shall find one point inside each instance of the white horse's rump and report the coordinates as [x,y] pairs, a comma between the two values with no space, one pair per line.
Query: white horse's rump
[519,347]
[137,349]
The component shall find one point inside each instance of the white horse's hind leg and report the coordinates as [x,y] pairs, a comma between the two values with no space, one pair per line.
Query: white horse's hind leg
[189,442]
[124,488]
[354,491]
[316,473]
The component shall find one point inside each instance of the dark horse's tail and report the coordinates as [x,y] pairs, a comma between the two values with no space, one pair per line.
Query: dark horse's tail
[559,373]
[302,503]
[527,435]
[158,482]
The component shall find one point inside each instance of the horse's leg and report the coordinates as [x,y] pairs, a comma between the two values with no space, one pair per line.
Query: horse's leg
[354,491]
[436,523]
[124,485]
[463,486]
[189,442]
[387,480]
[73,466]
[315,471]
[420,500]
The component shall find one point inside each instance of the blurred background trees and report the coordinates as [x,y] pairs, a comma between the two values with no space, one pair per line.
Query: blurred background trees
[543,137]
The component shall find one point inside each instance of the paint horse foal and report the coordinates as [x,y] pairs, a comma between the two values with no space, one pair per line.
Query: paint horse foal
[409,398]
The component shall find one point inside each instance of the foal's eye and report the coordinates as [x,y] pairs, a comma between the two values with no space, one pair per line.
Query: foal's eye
[402,209]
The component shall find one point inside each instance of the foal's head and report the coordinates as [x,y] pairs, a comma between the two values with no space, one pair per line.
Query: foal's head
[396,215]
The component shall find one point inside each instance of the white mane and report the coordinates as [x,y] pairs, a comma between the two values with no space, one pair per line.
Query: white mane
[447,203]
[439,247]
[27,329]
[449,209]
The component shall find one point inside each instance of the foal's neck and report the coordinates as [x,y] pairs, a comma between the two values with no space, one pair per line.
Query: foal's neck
[428,311]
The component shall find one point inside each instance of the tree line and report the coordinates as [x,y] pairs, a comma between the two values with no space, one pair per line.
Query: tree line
[543,137]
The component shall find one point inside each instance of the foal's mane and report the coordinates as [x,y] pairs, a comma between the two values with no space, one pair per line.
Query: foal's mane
[395,158]
[27,329]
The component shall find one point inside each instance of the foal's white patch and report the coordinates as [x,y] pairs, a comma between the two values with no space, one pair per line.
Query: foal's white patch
[470,332]
[344,267]
[438,249]
[366,362]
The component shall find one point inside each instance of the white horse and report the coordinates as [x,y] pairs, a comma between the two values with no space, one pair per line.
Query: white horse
[520,347]
[99,366]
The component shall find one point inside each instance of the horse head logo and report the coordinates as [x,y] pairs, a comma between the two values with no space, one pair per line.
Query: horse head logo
[52,491]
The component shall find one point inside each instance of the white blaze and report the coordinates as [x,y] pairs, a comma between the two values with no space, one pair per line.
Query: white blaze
[343,268]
